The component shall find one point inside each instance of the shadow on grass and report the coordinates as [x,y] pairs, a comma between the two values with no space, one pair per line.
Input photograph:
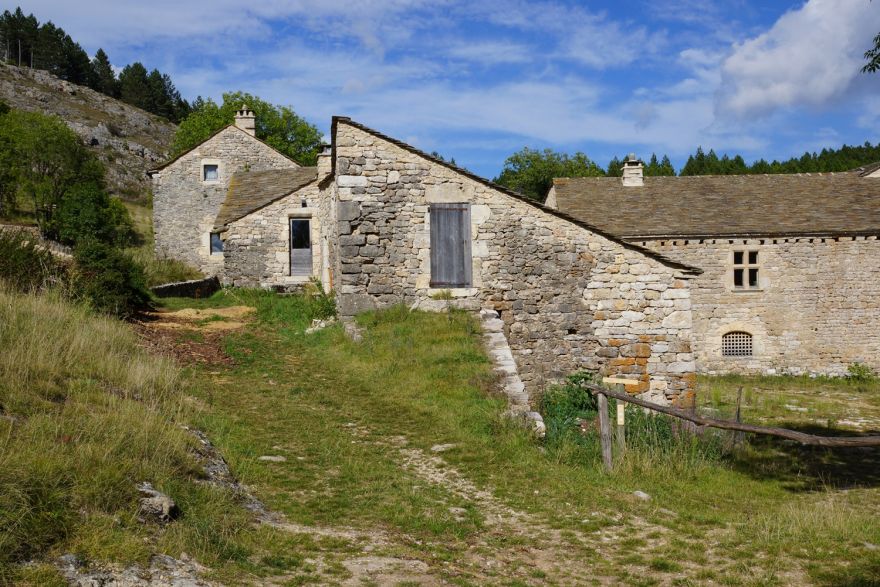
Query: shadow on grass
[809,468]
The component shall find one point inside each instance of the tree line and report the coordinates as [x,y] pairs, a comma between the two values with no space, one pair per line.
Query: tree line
[26,42]
[531,171]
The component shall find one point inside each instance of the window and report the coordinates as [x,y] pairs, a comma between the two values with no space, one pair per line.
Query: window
[450,245]
[736,344]
[210,172]
[216,244]
[745,270]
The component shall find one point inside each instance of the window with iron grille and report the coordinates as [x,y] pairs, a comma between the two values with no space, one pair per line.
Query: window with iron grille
[736,344]
[451,245]
[745,270]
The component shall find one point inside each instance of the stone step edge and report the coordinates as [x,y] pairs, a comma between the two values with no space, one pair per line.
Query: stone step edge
[511,385]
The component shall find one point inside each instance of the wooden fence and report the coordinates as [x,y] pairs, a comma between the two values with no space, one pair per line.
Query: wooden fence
[605,435]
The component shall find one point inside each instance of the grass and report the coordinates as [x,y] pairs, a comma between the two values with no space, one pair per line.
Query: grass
[347,415]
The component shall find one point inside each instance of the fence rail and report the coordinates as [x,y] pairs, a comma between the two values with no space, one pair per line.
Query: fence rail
[603,393]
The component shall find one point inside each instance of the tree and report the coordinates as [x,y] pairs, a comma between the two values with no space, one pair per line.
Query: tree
[279,126]
[103,79]
[134,86]
[659,168]
[531,172]
[873,57]
[44,163]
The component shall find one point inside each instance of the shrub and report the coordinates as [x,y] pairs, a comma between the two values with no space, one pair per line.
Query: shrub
[25,266]
[109,280]
[88,213]
[860,373]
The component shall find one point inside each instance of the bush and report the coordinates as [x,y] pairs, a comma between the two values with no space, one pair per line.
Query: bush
[25,266]
[860,373]
[109,280]
[88,213]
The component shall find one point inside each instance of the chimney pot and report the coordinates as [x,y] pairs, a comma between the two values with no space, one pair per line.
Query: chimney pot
[246,121]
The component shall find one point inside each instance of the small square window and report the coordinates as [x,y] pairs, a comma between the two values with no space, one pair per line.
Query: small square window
[745,270]
[210,172]
[216,244]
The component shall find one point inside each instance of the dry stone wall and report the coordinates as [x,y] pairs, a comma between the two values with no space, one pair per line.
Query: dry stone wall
[570,299]
[816,309]
[185,206]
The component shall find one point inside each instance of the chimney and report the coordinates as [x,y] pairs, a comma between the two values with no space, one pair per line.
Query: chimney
[245,120]
[325,162]
[632,171]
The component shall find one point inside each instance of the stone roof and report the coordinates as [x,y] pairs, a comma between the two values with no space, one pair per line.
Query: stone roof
[725,205]
[251,190]
[866,170]
[684,268]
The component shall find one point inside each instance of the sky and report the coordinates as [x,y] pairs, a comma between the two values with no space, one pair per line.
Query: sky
[480,79]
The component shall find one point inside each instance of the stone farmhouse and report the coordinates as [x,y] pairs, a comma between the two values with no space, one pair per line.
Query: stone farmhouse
[791,263]
[379,222]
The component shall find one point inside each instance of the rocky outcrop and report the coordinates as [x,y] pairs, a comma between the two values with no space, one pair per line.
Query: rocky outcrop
[128,140]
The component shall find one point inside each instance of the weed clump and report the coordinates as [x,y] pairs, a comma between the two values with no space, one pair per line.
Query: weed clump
[655,443]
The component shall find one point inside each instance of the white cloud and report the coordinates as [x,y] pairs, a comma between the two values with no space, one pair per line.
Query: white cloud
[810,57]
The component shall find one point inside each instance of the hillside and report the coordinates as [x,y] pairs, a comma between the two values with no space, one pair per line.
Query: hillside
[127,139]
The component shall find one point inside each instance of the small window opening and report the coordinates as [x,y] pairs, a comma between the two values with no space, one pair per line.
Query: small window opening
[210,172]
[572,331]
[745,270]
[216,243]
[736,344]
[304,203]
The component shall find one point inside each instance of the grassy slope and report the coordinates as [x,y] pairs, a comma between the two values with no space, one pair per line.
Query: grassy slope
[425,377]
[93,415]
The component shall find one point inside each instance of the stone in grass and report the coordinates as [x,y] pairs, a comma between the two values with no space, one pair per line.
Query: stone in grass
[642,495]
[272,458]
[442,447]
[155,505]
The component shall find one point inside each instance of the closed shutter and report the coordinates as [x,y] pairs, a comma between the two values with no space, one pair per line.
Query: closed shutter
[451,245]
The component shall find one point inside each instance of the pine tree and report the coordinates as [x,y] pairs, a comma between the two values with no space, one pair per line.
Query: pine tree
[134,86]
[103,79]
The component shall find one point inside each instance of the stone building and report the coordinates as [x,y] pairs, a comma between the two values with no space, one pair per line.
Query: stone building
[791,263]
[380,223]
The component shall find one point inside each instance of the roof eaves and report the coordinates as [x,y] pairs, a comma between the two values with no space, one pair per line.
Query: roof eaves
[688,269]
[225,225]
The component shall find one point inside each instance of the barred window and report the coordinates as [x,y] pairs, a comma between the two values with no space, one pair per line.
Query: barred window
[736,344]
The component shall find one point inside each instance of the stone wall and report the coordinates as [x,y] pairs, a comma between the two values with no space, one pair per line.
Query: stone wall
[570,298]
[185,207]
[817,309]
[257,247]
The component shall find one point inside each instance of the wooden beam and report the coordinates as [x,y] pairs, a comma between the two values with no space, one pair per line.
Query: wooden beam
[604,430]
[803,438]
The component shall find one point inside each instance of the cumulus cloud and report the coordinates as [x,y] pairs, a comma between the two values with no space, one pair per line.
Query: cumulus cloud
[810,57]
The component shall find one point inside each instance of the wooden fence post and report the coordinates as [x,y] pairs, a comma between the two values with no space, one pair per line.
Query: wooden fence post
[604,430]
[620,429]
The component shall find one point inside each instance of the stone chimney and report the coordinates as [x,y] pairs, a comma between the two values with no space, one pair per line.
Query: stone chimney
[631,171]
[245,120]
[325,161]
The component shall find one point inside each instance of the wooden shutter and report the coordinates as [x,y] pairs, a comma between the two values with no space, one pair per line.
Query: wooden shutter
[451,245]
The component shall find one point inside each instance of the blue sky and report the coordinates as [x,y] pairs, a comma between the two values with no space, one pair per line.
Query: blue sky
[478,80]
